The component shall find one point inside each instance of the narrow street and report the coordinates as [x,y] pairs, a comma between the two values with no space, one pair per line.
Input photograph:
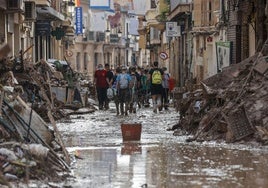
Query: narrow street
[159,159]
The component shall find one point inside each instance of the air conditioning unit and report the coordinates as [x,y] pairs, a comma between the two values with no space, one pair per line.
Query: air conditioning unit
[30,11]
[15,6]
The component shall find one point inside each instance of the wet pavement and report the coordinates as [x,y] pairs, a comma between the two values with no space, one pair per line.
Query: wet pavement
[159,159]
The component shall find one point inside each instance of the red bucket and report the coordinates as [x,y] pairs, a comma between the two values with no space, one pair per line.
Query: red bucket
[131,132]
[130,148]
[171,83]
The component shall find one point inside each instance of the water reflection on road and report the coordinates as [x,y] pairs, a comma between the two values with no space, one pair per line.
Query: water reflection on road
[159,159]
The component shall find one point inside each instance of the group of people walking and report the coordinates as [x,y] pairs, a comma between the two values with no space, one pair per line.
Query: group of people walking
[132,88]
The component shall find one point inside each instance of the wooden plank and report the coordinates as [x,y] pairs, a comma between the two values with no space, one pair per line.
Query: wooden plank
[57,134]
[1,101]
[261,67]
[38,125]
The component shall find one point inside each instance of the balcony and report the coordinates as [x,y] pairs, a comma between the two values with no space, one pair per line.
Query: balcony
[179,10]
[43,3]
[48,13]
[152,21]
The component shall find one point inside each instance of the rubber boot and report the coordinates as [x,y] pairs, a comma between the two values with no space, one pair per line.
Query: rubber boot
[154,106]
[122,108]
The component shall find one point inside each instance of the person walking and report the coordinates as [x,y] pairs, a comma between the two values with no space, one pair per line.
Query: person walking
[110,80]
[133,89]
[145,87]
[165,90]
[101,85]
[114,86]
[156,77]
[123,80]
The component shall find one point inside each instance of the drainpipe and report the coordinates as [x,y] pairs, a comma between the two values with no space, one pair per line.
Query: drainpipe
[191,59]
[181,61]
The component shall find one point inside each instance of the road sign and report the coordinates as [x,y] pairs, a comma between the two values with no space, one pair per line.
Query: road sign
[163,55]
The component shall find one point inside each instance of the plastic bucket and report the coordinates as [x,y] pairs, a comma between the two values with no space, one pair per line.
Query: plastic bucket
[171,83]
[131,132]
[130,148]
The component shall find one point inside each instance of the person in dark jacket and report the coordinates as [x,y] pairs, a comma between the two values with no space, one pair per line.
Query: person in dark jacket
[156,77]
[110,80]
[101,85]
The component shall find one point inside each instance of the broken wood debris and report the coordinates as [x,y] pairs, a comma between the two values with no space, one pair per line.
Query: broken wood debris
[32,97]
[232,104]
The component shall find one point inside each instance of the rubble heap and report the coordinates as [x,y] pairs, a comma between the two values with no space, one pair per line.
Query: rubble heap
[230,105]
[30,144]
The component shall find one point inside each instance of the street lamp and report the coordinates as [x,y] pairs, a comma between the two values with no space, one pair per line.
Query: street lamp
[129,36]
[119,33]
[107,32]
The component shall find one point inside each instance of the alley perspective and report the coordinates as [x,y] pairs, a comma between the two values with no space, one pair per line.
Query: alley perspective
[133,93]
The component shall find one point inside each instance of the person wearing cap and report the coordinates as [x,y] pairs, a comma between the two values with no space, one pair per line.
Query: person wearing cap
[123,80]
[101,85]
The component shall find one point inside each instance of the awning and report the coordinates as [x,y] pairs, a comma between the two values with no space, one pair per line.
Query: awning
[49,13]
[158,25]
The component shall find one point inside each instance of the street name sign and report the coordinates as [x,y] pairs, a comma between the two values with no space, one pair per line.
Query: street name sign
[172,29]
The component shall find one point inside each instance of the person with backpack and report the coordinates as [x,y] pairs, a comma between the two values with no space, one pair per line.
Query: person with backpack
[165,85]
[101,85]
[156,77]
[122,82]
[133,89]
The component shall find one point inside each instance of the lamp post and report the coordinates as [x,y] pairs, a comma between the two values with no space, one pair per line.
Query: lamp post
[118,49]
[128,39]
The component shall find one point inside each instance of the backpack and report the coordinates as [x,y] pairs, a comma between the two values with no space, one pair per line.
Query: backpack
[133,81]
[123,81]
[156,77]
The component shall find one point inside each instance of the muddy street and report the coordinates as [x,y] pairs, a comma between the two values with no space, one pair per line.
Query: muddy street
[101,158]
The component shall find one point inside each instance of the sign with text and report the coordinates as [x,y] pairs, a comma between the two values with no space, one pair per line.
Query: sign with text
[42,27]
[78,20]
[100,4]
[223,52]
[172,29]
[114,38]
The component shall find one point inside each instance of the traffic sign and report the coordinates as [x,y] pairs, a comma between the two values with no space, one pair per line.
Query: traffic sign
[163,55]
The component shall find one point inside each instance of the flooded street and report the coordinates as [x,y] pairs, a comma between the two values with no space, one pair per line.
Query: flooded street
[159,159]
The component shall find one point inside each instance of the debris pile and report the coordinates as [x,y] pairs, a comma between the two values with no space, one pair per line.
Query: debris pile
[26,162]
[32,97]
[231,105]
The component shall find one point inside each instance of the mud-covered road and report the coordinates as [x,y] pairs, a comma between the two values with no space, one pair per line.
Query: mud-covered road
[159,159]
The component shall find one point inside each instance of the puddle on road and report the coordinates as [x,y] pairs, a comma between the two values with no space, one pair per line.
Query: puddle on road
[159,159]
